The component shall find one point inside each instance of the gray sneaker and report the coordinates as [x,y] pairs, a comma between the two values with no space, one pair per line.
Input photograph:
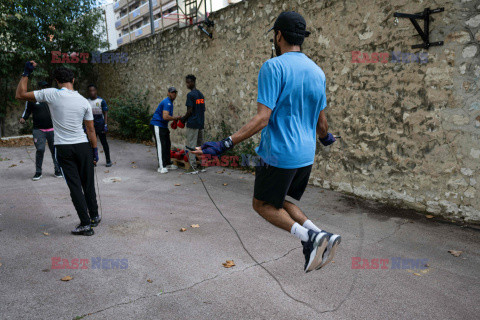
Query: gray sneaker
[333,241]
[313,249]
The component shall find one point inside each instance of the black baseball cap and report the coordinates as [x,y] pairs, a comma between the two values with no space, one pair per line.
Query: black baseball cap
[293,27]
[172,89]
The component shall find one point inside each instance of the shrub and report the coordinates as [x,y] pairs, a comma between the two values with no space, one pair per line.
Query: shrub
[131,116]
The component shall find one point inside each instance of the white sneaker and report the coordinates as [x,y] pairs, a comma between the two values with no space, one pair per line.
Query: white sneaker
[172,167]
[162,170]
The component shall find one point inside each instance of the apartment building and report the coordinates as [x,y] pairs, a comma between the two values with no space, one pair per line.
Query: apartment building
[133,18]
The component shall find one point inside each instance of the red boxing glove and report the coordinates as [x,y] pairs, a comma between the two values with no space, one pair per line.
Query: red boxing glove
[173,125]
[181,125]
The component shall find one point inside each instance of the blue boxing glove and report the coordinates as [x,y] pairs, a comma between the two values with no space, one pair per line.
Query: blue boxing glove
[217,148]
[95,154]
[328,140]
[27,71]
[105,128]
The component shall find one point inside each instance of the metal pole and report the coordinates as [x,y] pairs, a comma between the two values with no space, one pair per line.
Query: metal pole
[152,26]
[128,17]
[106,26]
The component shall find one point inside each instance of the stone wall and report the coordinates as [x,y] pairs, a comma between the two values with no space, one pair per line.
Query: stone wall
[410,131]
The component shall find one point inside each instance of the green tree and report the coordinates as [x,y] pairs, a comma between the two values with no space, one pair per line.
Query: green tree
[32,29]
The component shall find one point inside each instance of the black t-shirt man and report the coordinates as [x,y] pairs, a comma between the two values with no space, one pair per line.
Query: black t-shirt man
[196,101]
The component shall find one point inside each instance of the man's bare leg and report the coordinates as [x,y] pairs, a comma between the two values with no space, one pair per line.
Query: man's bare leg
[278,217]
[297,214]
[294,212]
[314,243]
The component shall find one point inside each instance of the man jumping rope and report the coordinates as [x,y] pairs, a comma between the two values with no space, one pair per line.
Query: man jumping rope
[291,102]
[75,155]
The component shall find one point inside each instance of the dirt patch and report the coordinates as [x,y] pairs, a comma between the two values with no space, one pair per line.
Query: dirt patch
[17,142]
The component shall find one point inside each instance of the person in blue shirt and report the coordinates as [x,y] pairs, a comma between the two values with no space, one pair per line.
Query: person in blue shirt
[100,117]
[291,102]
[161,133]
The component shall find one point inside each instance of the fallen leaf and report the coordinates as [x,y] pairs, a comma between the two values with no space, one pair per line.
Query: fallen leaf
[177,184]
[13,165]
[46,233]
[228,264]
[66,278]
[220,171]
[195,226]
[225,184]
[417,274]
[455,253]
[429,216]
[149,280]
[194,183]
[183,230]
[21,161]
[107,171]
[133,162]
[134,167]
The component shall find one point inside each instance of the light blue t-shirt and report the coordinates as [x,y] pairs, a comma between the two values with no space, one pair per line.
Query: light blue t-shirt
[293,86]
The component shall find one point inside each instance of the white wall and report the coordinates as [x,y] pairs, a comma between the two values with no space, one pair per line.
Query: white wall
[111,31]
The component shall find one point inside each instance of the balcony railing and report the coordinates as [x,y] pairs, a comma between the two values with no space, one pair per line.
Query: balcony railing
[119,5]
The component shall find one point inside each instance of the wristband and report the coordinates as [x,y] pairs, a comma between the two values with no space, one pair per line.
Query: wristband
[27,71]
[328,140]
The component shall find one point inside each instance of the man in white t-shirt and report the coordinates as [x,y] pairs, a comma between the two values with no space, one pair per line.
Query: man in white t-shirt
[74,153]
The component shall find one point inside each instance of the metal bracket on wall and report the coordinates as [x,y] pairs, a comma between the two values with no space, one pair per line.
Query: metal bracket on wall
[425,33]
[208,23]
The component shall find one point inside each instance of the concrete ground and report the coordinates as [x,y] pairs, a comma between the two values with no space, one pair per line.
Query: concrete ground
[179,275]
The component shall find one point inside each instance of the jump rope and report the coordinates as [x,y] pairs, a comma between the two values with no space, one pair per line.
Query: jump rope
[194,166]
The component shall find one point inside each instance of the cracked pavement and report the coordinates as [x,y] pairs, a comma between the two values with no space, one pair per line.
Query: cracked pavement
[142,215]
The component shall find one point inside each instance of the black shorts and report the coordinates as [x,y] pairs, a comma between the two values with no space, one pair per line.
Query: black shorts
[273,184]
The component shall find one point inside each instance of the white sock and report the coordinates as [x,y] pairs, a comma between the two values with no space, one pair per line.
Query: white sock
[310,226]
[299,232]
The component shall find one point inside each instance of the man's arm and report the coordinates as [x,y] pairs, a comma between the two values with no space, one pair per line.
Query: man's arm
[257,123]
[322,125]
[26,113]
[105,111]
[105,116]
[187,115]
[92,137]
[22,93]
[166,116]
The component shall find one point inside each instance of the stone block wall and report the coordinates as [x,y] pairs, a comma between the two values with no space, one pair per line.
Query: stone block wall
[410,127]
